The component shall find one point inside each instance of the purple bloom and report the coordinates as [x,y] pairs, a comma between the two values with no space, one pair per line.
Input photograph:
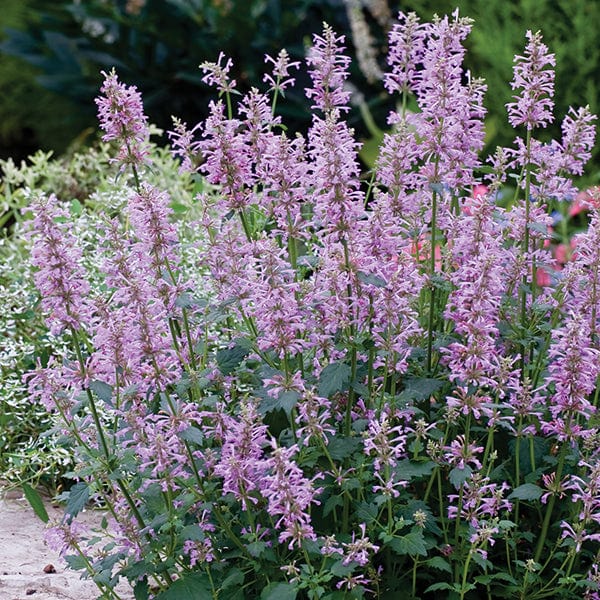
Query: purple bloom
[183,144]
[461,454]
[289,494]
[329,71]
[60,277]
[122,117]
[481,501]
[217,75]
[386,441]
[227,158]
[579,134]
[280,79]
[534,76]
[241,465]
[573,372]
[406,49]
[358,550]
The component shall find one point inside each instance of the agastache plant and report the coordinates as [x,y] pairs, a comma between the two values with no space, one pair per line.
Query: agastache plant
[371,392]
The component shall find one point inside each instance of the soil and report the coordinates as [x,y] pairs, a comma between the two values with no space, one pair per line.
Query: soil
[29,570]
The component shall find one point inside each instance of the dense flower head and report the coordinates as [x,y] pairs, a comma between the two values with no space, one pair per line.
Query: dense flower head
[122,118]
[573,371]
[329,71]
[534,76]
[241,463]
[289,494]
[60,277]
[406,39]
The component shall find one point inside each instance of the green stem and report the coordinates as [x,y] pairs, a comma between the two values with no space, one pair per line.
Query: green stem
[431,321]
[550,506]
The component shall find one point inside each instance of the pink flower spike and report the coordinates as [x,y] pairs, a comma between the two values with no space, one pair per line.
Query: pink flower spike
[121,115]
[534,77]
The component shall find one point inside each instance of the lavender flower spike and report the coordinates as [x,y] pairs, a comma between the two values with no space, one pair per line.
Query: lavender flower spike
[60,276]
[533,107]
[121,115]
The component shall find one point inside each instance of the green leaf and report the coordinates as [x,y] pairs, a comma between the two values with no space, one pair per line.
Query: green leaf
[229,359]
[75,208]
[526,491]
[334,378]
[256,548]
[437,562]
[102,390]
[339,569]
[35,501]
[279,591]
[331,503]
[371,279]
[185,300]
[412,544]
[436,587]
[411,469]
[341,447]
[140,590]
[192,586]
[285,402]
[235,577]
[459,476]
[366,512]
[191,434]
[78,496]
[421,388]
[76,562]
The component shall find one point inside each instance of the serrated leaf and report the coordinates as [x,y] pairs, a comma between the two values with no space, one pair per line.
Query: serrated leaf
[341,447]
[185,300]
[76,562]
[437,587]
[102,390]
[334,378]
[526,491]
[437,562]
[78,496]
[192,532]
[412,544]
[458,476]
[228,359]
[256,548]
[191,434]
[339,569]
[366,512]
[287,400]
[279,591]
[192,586]
[235,577]
[75,207]
[421,388]
[35,501]
[371,279]
[331,503]
[411,469]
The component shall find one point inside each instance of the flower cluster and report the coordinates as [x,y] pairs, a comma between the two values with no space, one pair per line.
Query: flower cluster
[377,384]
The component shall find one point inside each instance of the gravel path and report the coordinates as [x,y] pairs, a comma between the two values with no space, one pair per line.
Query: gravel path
[29,570]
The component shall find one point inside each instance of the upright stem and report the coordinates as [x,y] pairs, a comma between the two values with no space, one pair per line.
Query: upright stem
[526,242]
[550,505]
[431,283]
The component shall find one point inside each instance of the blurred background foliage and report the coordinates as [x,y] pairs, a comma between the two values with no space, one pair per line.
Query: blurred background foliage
[53,52]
